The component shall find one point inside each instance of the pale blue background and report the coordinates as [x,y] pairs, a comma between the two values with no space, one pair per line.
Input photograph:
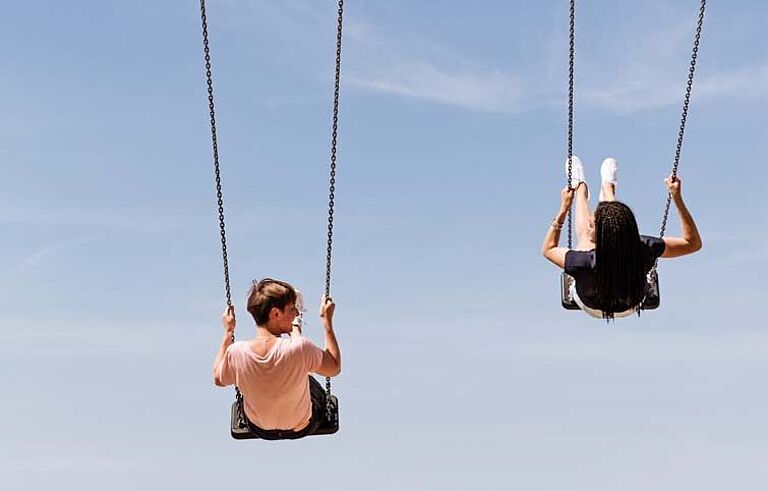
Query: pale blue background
[460,369]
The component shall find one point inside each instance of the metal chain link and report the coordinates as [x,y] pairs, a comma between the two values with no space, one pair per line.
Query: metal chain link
[684,115]
[332,180]
[215,144]
[571,52]
[334,138]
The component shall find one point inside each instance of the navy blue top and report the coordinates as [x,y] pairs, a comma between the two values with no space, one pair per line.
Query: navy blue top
[581,266]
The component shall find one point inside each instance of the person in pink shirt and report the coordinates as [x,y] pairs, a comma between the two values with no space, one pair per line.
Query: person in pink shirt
[272,370]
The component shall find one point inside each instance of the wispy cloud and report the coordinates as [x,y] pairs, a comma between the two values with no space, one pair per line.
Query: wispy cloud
[38,254]
[492,91]
[744,82]
[642,68]
[631,91]
[381,64]
[375,61]
[648,69]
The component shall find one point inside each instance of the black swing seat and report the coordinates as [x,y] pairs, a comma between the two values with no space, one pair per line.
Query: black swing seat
[325,421]
[651,301]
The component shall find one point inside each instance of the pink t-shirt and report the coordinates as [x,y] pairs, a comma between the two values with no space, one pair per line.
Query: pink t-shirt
[275,386]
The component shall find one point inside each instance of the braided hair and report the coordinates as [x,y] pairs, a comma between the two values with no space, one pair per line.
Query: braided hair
[621,261]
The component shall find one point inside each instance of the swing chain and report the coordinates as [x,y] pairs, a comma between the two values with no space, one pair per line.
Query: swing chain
[215,143]
[219,195]
[334,138]
[571,52]
[332,181]
[684,115]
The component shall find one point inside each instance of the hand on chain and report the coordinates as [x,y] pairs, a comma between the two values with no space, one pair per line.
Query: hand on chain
[228,320]
[673,186]
[566,198]
[327,308]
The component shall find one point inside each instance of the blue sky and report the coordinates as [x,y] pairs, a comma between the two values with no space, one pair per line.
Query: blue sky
[460,369]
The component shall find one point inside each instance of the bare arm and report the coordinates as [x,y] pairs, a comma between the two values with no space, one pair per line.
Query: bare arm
[331,364]
[690,241]
[228,320]
[550,249]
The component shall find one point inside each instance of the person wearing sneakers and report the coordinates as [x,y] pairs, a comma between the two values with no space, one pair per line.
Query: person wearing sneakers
[611,260]
[272,371]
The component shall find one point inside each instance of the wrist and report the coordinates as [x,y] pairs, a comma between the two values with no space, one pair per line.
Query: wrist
[558,221]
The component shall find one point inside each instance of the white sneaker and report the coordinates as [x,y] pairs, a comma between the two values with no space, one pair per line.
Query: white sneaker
[609,172]
[577,171]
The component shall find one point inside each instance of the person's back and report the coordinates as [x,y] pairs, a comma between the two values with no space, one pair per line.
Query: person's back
[611,259]
[272,376]
[272,370]
[582,266]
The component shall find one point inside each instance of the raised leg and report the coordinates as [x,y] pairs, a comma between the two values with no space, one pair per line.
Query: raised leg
[609,173]
[583,218]
[608,191]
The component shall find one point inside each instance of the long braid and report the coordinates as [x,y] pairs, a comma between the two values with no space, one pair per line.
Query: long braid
[621,262]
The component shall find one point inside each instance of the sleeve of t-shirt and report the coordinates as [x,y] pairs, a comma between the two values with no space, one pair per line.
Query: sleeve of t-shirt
[226,369]
[655,244]
[577,261]
[312,354]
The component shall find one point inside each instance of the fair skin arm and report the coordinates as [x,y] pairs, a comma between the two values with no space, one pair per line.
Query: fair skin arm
[690,241]
[228,322]
[550,249]
[331,364]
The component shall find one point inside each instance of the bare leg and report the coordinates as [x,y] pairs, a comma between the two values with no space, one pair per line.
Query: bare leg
[609,191]
[583,219]
[608,176]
